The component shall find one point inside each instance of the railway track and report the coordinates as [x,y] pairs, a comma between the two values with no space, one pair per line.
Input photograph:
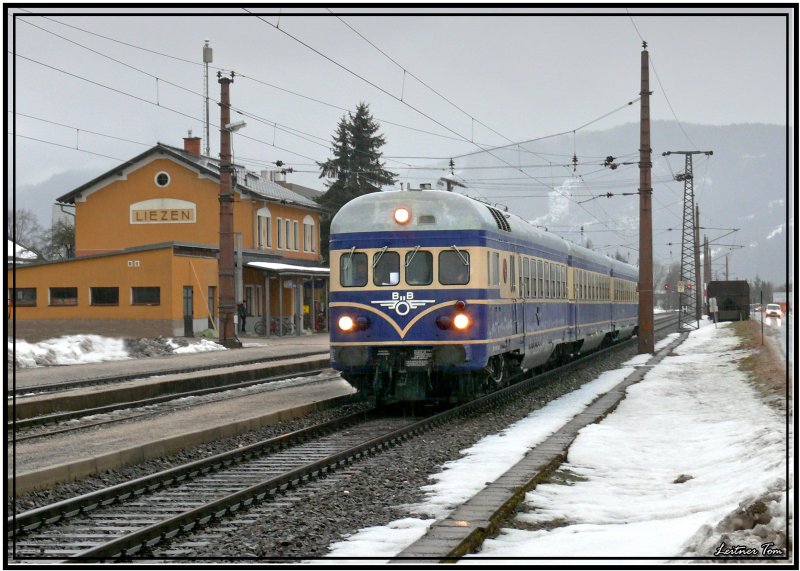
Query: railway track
[134,517]
[14,392]
[59,423]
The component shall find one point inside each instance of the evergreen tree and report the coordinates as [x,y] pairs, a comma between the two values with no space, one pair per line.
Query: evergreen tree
[355,168]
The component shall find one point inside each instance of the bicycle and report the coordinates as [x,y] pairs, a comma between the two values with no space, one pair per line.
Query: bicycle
[260,328]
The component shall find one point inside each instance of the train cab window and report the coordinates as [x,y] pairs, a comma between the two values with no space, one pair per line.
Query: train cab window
[386,268]
[454,267]
[419,267]
[353,269]
[495,269]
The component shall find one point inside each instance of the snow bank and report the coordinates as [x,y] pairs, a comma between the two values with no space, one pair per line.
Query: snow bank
[682,450]
[82,349]
[67,350]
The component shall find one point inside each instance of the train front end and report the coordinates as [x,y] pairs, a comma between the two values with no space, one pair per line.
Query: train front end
[406,317]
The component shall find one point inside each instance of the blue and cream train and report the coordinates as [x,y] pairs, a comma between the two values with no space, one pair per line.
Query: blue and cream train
[439,297]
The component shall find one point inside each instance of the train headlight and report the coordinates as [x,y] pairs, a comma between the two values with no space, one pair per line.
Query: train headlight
[402,216]
[362,322]
[346,323]
[461,321]
[444,322]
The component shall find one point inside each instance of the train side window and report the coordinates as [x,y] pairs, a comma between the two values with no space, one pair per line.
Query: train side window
[547,279]
[495,268]
[386,269]
[454,267]
[513,273]
[353,270]
[526,271]
[564,282]
[419,267]
[539,279]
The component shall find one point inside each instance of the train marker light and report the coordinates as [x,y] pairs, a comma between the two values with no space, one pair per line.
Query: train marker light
[443,322]
[461,305]
[402,216]
[346,323]
[461,321]
[362,322]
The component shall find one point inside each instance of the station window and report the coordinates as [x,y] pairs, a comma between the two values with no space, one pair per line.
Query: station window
[295,240]
[104,296]
[264,236]
[353,270]
[288,234]
[386,268]
[454,267]
[146,296]
[280,234]
[419,268]
[309,244]
[25,296]
[63,296]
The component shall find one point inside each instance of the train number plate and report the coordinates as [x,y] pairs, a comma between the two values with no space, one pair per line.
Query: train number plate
[419,359]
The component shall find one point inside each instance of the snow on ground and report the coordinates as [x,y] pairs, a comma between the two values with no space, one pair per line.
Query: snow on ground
[82,349]
[67,350]
[195,347]
[683,449]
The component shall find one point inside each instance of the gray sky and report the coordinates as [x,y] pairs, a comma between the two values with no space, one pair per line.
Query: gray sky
[514,77]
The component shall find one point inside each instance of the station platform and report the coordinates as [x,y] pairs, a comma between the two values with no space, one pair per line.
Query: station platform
[254,350]
[38,464]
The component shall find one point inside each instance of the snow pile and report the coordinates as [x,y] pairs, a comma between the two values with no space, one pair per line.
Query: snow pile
[66,350]
[83,349]
[199,347]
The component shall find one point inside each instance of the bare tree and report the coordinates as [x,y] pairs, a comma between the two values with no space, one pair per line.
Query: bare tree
[24,230]
[60,241]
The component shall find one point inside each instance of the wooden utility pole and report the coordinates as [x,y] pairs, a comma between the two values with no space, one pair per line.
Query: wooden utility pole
[646,335]
[227,304]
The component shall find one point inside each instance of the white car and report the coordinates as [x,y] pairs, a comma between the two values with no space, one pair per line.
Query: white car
[774,310]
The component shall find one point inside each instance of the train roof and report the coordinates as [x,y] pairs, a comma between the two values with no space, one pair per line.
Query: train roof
[433,210]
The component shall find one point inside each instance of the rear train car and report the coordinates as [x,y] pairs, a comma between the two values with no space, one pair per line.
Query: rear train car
[439,297]
[733,299]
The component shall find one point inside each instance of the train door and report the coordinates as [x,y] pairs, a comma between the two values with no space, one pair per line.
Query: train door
[571,298]
[514,294]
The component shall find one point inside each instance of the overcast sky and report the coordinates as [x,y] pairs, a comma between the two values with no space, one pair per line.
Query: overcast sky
[513,78]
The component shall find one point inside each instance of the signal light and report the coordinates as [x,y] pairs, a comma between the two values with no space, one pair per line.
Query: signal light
[688,286]
[402,216]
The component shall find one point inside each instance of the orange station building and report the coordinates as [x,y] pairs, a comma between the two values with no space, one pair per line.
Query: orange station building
[147,249]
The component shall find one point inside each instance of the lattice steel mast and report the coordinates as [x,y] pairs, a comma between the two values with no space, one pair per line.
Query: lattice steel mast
[688,310]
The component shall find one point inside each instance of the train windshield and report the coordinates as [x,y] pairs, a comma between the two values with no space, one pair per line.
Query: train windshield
[453,267]
[386,268]
[419,267]
[353,269]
